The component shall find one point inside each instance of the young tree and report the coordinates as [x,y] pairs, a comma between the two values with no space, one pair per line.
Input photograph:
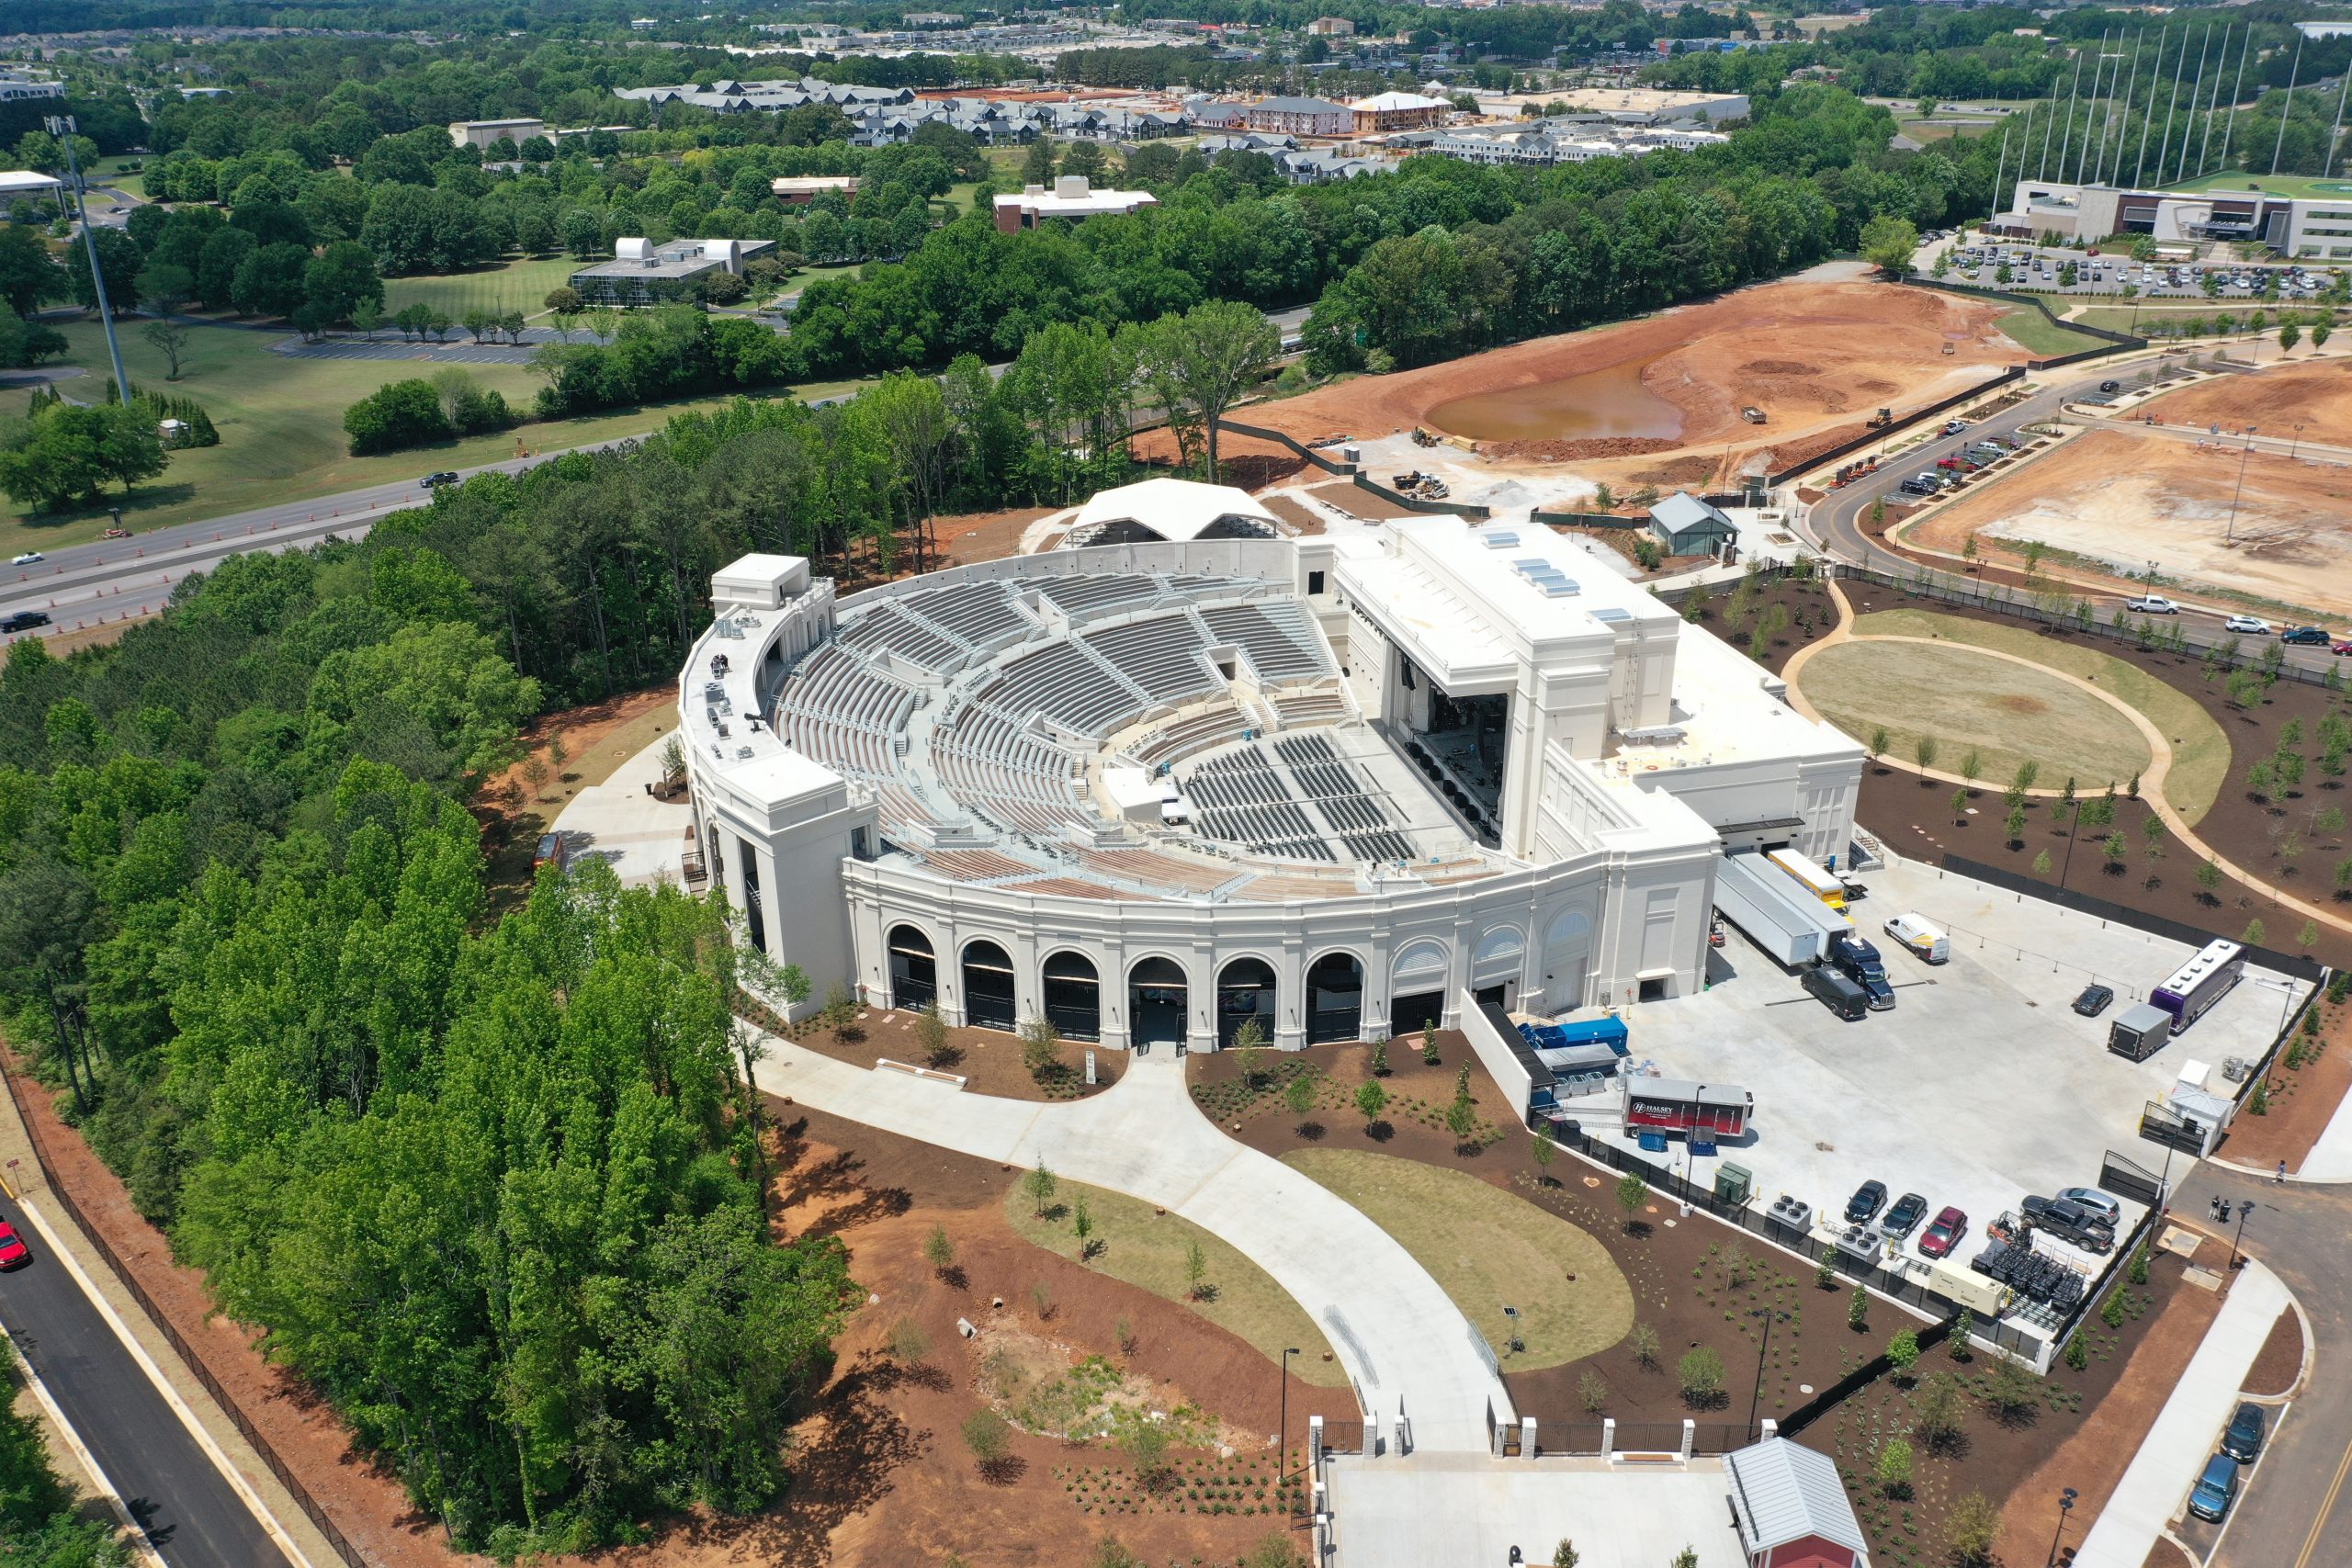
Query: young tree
[1632,1193]
[1893,1473]
[1371,1100]
[1197,1269]
[1298,1095]
[989,1436]
[931,1027]
[1857,1309]
[1924,748]
[1041,1047]
[1644,1344]
[1081,1219]
[938,1250]
[2015,824]
[1903,1352]
[1971,1529]
[1699,1375]
[1564,1554]
[1939,1410]
[2041,862]
[1972,764]
[1878,741]
[1039,1184]
[1542,1150]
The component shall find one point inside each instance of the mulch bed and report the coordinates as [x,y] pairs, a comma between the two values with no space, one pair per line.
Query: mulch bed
[989,1061]
[1676,1265]
[2301,1100]
[2280,1361]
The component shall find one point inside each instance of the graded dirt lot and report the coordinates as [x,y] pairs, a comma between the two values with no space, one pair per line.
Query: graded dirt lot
[2314,394]
[1814,357]
[2125,497]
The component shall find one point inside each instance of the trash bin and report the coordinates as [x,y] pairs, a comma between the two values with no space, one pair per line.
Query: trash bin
[1733,1182]
[1652,1143]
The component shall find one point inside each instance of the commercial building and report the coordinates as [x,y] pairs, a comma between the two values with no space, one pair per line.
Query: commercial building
[1560,139]
[1645,105]
[2302,228]
[642,273]
[15,88]
[483,132]
[1331,26]
[1397,111]
[1345,787]
[1073,196]
[1166,509]
[799,190]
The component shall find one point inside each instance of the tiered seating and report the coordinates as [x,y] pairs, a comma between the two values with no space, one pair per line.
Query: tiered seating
[1194,734]
[1244,778]
[1060,681]
[887,627]
[1341,794]
[1161,655]
[1384,845]
[979,613]
[1312,709]
[988,762]
[1279,637]
[1079,596]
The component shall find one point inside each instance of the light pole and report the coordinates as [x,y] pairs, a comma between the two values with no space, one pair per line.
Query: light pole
[2294,441]
[2065,1506]
[61,126]
[1762,1340]
[2245,1207]
[1281,1423]
[2229,533]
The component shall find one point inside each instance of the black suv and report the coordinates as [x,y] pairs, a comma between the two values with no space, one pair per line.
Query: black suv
[2243,1441]
[435,481]
[1908,1211]
[2069,1220]
[24,621]
[1867,1200]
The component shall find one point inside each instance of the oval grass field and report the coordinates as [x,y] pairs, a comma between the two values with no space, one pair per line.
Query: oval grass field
[2006,711]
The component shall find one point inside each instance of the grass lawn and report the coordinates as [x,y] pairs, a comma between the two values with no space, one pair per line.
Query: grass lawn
[1486,1247]
[2027,328]
[2124,320]
[2200,751]
[510,286]
[2305,185]
[2006,713]
[1147,1249]
[280,420]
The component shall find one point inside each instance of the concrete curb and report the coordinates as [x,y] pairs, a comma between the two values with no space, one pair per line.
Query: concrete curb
[82,1456]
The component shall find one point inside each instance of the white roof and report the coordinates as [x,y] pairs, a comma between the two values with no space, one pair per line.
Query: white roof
[1784,1492]
[1176,510]
[17,182]
[1393,101]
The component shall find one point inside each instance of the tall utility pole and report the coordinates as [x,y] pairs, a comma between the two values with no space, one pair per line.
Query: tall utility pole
[2205,142]
[2107,173]
[2280,145]
[2049,124]
[2072,93]
[2335,133]
[61,126]
[2237,92]
[2098,69]
[2180,162]
[2148,116]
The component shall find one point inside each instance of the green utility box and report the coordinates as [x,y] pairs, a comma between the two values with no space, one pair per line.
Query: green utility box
[1733,1182]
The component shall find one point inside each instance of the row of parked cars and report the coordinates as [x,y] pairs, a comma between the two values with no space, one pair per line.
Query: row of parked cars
[2247,625]
[1900,1219]
[2081,1216]
[2242,1441]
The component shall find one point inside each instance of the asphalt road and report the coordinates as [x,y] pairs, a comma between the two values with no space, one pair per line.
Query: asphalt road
[191,1514]
[2296,1510]
[1835,521]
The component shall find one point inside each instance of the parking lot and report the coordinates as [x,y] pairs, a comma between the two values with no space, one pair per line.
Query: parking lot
[1979,1087]
[2041,269]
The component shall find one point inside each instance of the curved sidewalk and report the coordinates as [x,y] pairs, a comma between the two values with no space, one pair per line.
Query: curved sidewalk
[2152,781]
[1404,1343]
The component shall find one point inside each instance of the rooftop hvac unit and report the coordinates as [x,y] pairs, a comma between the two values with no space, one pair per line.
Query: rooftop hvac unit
[1500,539]
[634,250]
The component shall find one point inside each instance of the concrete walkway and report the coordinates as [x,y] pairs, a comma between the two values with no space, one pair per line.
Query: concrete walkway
[644,839]
[2330,1158]
[1402,1341]
[2154,1489]
[2152,781]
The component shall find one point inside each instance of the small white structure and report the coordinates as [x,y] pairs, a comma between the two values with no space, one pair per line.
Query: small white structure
[1173,509]
[1073,197]
[1789,1506]
[483,132]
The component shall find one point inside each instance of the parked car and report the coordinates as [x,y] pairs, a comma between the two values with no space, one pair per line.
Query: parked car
[2215,1490]
[2093,1001]
[24,620]
[2251,626]
[2070,1223]
[2243,1441]
[1954,427]
[30,557]
[1941,1238]
[2111,385]
[435,481]
[1835,992]
[2103,1204]
[2306,636]
[14,1253]
[1904,1217]
[1867,1200]
[2151,604]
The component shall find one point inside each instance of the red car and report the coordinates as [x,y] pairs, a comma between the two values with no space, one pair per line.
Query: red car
[14,1253]
[1939,1239]
[2344,647]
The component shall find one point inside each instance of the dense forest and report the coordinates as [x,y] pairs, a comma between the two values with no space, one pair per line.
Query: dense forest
[492,1186]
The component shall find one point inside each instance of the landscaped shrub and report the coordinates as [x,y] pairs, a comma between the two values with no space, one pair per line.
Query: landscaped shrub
[1701,1374]
[396,416]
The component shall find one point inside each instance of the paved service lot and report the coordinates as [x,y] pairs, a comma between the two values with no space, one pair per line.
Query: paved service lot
[1467,1511]
[1980,1086]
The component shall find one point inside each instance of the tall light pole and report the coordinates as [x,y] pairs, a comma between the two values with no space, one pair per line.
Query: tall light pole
[2065,1506]
[2245,1207]
[61,126]
[1756,1399]
[1282,1426]
[2289,108]
[2231,532]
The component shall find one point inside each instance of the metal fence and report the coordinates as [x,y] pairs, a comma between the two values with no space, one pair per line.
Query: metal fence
[1873,437]
[1414,503]
[1289,444]
[2055,610]
[194,1363]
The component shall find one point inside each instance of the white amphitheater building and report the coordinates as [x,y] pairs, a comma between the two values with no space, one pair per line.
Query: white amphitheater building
[1346,786]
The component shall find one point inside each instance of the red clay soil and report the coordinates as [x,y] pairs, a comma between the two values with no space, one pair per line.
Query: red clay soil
[967,537]
[1301,518]
[1362,502]
[1866,345]
[1575,451]
[988,1060]
[1677,1266]
[365,1504]
[2301,1100]
[2280,1362]
[2131,1376]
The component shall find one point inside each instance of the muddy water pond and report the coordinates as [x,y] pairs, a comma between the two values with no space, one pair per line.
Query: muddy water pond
[1605,402]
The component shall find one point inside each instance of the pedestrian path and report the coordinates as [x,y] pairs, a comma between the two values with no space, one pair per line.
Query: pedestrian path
[1404,1343]
[621,822]
[2155,1486]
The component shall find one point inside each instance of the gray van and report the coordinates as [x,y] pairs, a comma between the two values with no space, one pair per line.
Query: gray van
[1839,994]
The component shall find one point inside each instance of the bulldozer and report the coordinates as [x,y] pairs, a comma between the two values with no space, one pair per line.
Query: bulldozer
[1880,420]
[1421,437]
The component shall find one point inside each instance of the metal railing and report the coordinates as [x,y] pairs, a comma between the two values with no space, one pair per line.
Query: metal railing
[180,1347]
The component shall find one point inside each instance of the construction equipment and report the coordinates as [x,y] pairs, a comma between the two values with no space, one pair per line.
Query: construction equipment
[1752,415]
[1880,420]
[1422,437]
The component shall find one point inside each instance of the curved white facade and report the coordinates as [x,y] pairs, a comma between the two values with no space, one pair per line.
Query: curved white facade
[1338,786]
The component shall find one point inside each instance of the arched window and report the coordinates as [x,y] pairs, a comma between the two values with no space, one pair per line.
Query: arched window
[1334,999]
[1073,996]
[1245,994]
[914,973]
[988,991]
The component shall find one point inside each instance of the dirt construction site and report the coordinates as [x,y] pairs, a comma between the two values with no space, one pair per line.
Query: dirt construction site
[1665,400]
[2119,498]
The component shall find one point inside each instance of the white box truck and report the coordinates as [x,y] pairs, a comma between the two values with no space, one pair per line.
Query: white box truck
[1927,941]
